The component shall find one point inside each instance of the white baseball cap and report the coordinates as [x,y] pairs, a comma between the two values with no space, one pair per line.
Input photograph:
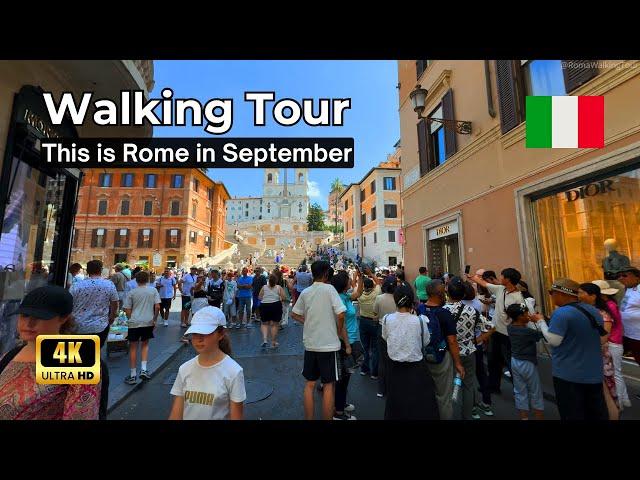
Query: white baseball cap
[206,321]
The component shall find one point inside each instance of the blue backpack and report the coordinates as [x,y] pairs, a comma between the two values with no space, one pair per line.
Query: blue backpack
[435,351]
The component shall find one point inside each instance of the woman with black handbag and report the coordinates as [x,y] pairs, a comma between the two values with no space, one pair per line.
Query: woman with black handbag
[410,387]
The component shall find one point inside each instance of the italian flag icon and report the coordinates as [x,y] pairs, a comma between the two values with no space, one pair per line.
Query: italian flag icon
[565,122]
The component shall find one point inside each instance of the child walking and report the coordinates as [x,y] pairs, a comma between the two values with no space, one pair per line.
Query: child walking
[527,388]
[211,385]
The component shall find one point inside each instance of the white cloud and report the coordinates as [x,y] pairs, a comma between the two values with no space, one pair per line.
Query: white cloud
[314,190]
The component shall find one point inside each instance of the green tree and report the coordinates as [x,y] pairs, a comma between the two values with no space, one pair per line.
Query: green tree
[315,222]
[338,188]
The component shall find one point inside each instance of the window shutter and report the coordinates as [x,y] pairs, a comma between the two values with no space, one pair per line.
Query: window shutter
[424,150]
[421,65]
[101,179]
[168,242]
[126,244]
[450,146]
[94,238]
[507,95]
[580,72]
[150,244]
[140,238]
[75,237]
[179,238]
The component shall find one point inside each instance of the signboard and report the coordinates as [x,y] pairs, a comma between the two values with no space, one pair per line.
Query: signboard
[412,177]
[157,260]
[443,230]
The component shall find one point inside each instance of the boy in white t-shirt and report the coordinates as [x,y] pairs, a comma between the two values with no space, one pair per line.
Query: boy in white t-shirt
[211,385]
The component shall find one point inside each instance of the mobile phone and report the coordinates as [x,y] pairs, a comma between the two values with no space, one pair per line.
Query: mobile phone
[467,269]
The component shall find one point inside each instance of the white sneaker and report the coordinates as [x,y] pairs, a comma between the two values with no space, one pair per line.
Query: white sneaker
[349,408]
[166,323]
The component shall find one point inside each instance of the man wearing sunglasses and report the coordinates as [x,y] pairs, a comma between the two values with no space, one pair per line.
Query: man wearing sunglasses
[630,310]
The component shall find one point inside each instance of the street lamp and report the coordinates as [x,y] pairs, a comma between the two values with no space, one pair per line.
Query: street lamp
[418,97]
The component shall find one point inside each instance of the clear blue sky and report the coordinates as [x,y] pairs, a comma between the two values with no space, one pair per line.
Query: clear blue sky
[372,120]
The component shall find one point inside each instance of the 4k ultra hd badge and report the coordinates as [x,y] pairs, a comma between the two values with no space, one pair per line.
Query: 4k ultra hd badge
[68,359]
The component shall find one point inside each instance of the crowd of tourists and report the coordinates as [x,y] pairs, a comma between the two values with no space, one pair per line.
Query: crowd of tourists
[436,348]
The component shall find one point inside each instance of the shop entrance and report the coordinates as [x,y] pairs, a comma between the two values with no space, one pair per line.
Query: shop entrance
[443,252]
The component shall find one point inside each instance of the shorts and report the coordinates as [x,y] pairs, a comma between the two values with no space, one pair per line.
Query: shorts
[165,303]
[322,365]
[229,310]
[256,302]
[185,300]
[140,333]
[271,312]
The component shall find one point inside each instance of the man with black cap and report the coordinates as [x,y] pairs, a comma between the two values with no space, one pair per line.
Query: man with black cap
[576,332]
[630,310]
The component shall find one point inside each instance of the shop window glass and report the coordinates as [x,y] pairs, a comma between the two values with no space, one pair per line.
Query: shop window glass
[30,246]
[589,229]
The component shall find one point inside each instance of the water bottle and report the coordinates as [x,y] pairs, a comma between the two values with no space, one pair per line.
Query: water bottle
[457,387]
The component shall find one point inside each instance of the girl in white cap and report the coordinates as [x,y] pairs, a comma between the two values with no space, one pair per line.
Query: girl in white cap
[211,385]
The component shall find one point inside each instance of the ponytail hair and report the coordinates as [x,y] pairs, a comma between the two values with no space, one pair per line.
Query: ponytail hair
[225,341]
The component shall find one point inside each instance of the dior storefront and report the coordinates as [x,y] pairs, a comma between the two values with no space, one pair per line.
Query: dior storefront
[582,224]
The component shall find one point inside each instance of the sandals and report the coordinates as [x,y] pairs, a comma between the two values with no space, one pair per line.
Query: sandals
[275,345]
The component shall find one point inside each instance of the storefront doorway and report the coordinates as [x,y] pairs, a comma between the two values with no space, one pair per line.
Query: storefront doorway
[443,250]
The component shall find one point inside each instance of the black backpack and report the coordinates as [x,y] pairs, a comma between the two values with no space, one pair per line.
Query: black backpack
[216,292]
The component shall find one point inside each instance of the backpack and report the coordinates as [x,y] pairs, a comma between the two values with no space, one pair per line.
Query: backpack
[435,351]
[216,293]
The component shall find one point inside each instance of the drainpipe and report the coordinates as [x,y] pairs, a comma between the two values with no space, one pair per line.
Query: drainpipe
[487,77]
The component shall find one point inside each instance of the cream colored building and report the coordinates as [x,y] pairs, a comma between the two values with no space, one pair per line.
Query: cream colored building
[486,200]
[372,214]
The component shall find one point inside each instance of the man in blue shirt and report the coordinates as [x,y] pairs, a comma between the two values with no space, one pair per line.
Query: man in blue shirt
[245,290]
[576,333]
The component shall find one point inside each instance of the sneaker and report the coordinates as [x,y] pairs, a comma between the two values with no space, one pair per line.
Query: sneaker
[184,339]
[374,377]
[474,414]
[237,326]
[264,345]
[364,374]
[507,373]
[144,375]
[344,416]
[130,380]
[183,325]
[485,408]
[379,395]
[349,408]
[166,323]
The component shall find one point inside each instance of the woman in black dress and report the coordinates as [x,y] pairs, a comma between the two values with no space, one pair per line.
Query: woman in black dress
[410,387]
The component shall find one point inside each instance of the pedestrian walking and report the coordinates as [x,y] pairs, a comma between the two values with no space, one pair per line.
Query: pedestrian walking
[321,311]
[420,284]
[45,310]
[589,293]
[229,299]
[95,307]
[245,294]
[411,390]
[616,335]
[271,297]
[119,280]
[185,285]
[142,307]
[384,305]
[445,359]
[369,328]
[507,293]
[215,289]
[211,385]
[468,321]
[527,388]
[167,287]
[350,338]
[576,333]
[630,311]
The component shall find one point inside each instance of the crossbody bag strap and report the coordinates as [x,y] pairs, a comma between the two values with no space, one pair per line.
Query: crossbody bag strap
[4,361]
[591,318]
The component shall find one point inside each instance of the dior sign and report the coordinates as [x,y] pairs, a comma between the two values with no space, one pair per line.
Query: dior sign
[590,190]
